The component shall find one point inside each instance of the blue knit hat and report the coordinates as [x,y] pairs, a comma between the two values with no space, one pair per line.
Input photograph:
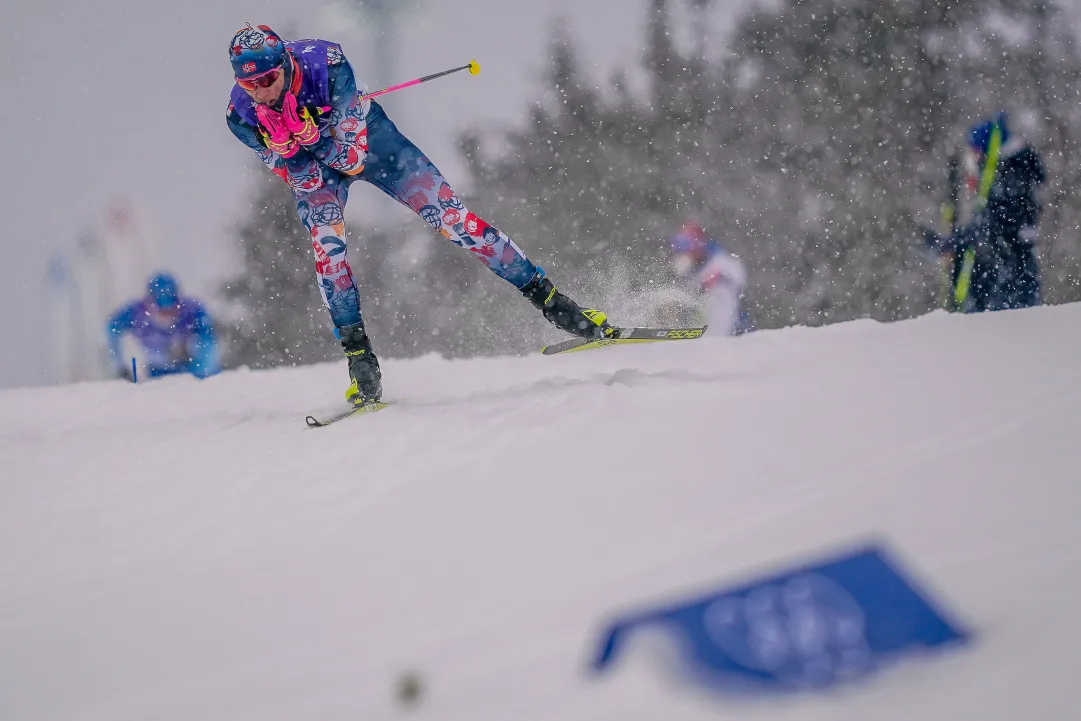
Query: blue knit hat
[253,51]
[980,135]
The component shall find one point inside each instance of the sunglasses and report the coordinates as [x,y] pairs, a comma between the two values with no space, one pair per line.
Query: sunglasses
[263,80]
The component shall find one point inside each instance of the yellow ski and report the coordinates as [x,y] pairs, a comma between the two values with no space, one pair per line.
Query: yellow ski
[626,335]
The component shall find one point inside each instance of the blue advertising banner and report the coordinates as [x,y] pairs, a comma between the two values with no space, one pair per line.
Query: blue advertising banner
[808,627]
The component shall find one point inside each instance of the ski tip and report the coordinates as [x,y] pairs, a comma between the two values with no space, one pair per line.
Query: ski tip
[565,346]
[312,422]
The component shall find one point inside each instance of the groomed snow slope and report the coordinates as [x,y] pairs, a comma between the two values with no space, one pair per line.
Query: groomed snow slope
[189,550]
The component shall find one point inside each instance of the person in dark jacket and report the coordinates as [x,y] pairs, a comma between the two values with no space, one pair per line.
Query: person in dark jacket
[995,265]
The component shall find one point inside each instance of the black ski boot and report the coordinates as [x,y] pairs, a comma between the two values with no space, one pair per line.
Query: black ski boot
[564,313]
[366,385]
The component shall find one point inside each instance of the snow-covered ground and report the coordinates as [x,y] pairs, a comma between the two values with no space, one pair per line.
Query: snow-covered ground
[189,550]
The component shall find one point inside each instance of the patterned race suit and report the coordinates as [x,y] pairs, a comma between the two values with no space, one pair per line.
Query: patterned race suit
[359,141]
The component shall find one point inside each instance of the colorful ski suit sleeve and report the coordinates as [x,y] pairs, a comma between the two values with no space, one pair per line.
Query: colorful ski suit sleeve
[343,145]
[344,142]
[301,171]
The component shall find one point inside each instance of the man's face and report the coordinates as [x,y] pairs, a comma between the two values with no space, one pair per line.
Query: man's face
[270,94]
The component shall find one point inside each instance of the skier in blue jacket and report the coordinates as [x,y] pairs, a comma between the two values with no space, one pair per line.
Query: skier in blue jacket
[175,332]
[298,105]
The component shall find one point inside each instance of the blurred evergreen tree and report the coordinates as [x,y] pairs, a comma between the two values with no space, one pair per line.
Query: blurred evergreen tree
[814,150]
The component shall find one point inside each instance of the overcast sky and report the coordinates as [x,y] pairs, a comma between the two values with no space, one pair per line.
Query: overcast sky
[126,98]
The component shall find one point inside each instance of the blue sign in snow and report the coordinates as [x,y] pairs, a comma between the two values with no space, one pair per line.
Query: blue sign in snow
[809,627]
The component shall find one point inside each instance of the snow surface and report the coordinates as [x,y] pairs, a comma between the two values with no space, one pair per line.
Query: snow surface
[189,550]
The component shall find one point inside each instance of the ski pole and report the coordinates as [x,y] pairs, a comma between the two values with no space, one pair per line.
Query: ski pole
[473,67]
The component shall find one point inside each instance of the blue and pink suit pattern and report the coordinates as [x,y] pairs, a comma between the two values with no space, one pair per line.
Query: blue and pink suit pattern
[359,142]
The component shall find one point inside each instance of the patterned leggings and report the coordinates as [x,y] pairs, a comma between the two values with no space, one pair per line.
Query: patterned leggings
[399,169]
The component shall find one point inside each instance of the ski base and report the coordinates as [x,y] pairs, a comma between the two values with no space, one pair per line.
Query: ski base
[313,422]
[626,335]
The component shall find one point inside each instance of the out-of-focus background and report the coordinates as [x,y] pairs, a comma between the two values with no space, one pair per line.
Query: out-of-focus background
[812,140]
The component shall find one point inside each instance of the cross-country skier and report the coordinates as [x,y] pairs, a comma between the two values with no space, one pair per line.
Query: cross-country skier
[714,274]
[298,105]
[175,332]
